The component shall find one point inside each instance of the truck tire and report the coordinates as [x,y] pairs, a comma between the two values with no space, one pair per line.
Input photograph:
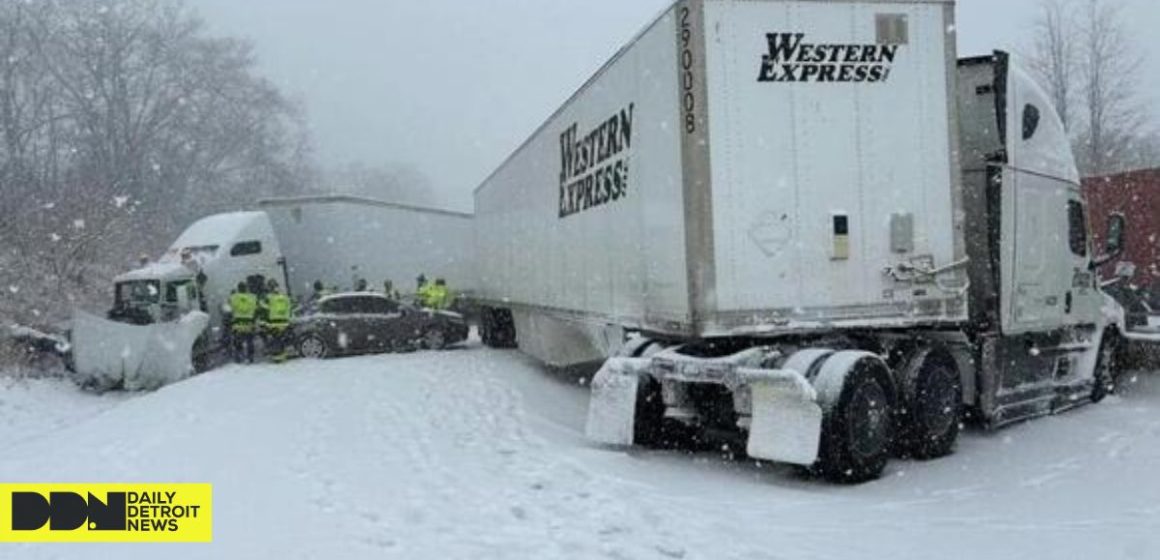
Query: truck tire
[648,420]
[1107,374]
[485,327]
[650,428]
[930,413]
[857,428]
[497,328]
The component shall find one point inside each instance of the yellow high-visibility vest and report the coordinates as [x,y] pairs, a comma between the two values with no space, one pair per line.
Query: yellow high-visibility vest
[244,307]
[438,297]
[278,309]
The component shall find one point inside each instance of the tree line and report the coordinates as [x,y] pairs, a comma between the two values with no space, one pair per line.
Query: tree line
[120,122]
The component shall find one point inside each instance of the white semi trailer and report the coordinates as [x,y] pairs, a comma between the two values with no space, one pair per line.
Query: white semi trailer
[815,228]
[337,239]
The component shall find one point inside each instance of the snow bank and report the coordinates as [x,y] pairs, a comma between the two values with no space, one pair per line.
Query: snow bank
[480,454]
[33,408]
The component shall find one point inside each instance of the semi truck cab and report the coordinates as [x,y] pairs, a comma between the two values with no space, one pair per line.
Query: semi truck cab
[158,293]
[201,268]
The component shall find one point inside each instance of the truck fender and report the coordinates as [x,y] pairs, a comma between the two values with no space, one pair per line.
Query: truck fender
[612,406]
[831,378]
[785,420]
[808,362]
[639,347]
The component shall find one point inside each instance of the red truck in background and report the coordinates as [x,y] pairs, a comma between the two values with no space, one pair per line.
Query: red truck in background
[1135,195]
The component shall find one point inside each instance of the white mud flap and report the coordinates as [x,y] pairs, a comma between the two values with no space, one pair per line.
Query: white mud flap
[786,423]
[108,354]
[612,406]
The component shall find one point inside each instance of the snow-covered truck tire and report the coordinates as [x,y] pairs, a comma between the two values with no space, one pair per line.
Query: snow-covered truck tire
[929,414]
[487,327]
[1107,367]
[497,328]
[649,418]
[202,354]
[651,430]
[857,396]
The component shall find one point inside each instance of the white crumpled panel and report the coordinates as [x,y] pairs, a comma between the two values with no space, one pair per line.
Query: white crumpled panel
[137,358]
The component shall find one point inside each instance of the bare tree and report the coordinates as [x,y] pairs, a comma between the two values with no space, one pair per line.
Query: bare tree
[1053,57]
[1109,68]
[121,121]
[1085,58]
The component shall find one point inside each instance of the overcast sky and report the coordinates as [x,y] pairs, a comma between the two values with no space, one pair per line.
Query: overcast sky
[451,87]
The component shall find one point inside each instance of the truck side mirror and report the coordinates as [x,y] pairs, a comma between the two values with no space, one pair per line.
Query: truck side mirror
[1114,246]
[1117,225]
[1125,270]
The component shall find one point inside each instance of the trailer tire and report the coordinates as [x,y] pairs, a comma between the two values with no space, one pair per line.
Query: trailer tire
[649,417]
[858,427]
[486,327]
[497,328]
[650,428]
[1107,367]
[930,415]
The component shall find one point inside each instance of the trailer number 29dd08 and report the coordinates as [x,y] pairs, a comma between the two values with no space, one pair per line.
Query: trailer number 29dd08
[688,79]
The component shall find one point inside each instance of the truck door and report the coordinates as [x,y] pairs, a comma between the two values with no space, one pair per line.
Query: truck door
[1084,299]
[1044,256]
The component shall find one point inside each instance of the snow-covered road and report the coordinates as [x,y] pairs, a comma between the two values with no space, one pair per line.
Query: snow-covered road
[479,454]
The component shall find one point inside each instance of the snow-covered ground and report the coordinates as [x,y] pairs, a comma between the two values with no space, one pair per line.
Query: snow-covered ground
[479,454]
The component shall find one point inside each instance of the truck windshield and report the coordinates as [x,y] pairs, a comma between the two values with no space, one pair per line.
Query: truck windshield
[141,292]
[199,254]
[172,288]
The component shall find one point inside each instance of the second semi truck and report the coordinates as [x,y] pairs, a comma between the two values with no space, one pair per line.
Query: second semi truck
[337,240]
[818,230]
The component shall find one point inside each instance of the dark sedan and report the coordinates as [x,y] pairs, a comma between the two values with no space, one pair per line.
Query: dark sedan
[369,323]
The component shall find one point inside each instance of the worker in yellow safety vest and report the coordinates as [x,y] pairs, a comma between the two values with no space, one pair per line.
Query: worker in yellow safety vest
[437,295]
[423,287]
[243,308]
[275,326]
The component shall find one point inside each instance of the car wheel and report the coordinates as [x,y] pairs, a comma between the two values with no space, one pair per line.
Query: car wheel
[434,339]
[313,347]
